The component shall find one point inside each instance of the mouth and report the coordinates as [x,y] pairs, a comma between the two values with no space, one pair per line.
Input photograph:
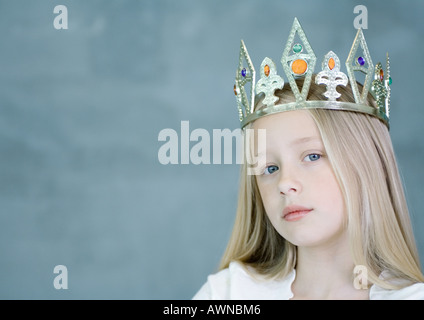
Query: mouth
[294,212]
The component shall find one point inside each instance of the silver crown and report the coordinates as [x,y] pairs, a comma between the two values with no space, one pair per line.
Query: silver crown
[299,61]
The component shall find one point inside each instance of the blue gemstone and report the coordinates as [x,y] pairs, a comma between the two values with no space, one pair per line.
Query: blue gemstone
[361,61]
[243,72]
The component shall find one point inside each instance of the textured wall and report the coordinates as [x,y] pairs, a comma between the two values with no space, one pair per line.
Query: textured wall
[80,114]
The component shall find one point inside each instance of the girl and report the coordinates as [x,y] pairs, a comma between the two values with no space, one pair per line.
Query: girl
[324,216]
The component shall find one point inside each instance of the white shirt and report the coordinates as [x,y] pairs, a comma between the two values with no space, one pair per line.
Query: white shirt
[235,283]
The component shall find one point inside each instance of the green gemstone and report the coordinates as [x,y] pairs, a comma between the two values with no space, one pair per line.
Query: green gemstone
[390,81]
[297,48]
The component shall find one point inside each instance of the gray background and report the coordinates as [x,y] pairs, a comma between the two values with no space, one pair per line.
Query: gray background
[80,114]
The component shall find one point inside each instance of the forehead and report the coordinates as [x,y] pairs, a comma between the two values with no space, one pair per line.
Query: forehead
[288,126]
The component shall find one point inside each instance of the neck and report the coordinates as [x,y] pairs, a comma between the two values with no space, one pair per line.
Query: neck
[326,272]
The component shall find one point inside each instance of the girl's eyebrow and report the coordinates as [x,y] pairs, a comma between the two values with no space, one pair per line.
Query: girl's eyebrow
[298,141]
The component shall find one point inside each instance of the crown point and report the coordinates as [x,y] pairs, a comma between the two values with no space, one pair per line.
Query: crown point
[296,20]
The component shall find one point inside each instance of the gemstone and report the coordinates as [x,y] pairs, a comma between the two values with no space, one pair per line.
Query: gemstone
[235,89]
[243,72]
[361,61]
[297,48]
[266,70]
[381,75]
[331,63]
[390,81]
[299,66]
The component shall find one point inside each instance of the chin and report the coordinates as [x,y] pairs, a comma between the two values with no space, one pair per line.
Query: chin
[305,239]
[303,242]
[310,234]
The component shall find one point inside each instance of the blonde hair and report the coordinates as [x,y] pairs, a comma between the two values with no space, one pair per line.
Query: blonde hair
[378,224]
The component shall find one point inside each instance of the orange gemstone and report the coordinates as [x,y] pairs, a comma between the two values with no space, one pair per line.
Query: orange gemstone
[266,70]
[331,63]
[299,66]
[235,89]
[381,75]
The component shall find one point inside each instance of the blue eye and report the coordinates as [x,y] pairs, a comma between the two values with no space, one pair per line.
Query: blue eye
[270,169]
[312,157]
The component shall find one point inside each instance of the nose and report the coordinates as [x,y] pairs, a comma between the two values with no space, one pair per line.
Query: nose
[289,183]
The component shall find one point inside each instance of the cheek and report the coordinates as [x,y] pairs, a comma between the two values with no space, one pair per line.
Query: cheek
[269,195]
[327,187]
[271,203]
[328,193]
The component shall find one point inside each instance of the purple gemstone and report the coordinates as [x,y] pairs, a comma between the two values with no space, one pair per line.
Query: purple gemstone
[243,72]
[361,61]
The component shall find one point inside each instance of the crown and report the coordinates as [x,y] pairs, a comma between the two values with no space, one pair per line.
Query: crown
[299,61]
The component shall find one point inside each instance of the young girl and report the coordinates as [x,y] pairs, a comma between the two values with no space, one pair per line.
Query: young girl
[324,216]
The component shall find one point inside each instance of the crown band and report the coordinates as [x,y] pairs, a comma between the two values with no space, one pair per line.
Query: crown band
[300,64]
[331,105]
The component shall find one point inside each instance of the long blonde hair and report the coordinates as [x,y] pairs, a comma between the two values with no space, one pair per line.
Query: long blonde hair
[361,154]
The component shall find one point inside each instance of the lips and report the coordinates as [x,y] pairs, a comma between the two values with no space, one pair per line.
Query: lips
[295,212]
